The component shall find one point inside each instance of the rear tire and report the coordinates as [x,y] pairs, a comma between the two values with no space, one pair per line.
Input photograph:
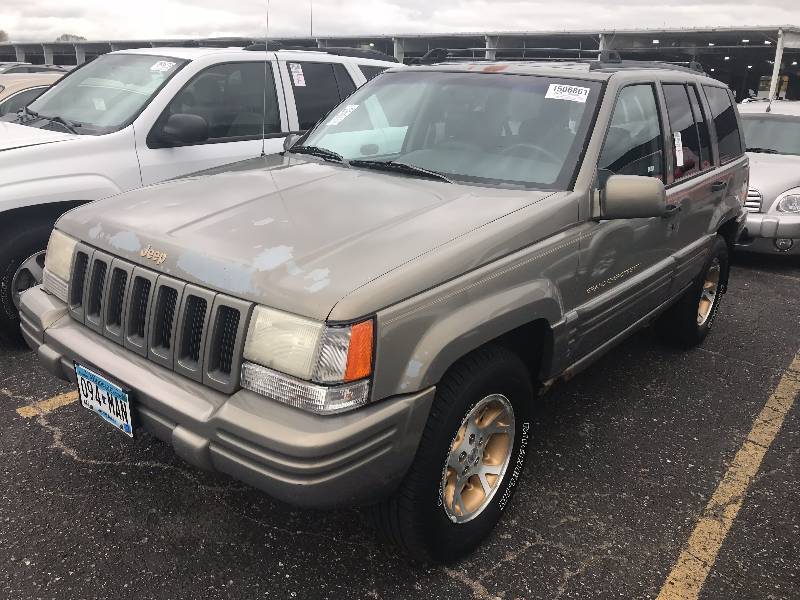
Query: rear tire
[489,389]
[687,323]
[17,246]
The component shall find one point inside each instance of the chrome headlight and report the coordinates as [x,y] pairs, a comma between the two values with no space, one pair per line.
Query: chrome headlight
[306,363]
[789,201]
[57,263]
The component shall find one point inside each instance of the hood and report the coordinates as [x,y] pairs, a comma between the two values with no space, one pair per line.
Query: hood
[294,234]
[773,174]
[13,135]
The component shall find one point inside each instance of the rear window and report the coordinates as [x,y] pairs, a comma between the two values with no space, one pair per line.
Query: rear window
[723,111]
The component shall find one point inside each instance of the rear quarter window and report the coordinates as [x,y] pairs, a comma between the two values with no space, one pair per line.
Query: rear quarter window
[726,123]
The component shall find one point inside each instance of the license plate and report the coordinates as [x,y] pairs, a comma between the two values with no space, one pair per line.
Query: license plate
[109,401]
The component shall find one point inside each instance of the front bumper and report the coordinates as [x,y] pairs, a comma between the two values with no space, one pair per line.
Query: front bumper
[761,230]
[301,458]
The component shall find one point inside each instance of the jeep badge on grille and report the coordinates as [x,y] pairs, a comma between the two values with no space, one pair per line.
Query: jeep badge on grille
[152,254]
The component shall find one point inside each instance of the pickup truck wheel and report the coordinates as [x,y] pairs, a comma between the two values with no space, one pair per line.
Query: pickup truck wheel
[18,249]
[469,460]
[688,322]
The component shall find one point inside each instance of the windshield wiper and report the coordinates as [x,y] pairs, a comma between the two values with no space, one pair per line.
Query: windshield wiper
[763,150]
[323,153]
[71,126]
[400,167]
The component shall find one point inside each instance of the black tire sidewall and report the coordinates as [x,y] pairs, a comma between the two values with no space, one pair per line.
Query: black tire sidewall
[448,540]
[13,252]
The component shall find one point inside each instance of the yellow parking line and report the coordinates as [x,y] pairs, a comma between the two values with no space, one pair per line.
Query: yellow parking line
[698,556]
[46,406]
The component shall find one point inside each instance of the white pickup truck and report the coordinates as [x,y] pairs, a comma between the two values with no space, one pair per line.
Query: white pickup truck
[137,117]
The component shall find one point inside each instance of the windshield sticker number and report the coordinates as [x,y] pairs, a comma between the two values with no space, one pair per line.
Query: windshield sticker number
[162,66]
[573,93]
[678,148]
[342,114]
[299,79]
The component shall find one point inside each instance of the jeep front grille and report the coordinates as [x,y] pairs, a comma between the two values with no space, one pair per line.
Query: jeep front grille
[753,202]
[191,330]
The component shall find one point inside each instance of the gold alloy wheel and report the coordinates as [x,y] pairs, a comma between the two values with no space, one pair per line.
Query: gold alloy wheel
[709,293]
[478,458]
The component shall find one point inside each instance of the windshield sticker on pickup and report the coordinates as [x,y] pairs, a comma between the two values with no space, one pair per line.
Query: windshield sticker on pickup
[342,114]
[299,79]
[162,66]
[99,103]
[573,93]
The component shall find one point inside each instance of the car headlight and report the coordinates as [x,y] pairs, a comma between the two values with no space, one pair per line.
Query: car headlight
[57,264]
[789,202]
[308,364]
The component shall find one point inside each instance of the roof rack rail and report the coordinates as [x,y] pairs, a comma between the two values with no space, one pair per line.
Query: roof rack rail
[608,60]
[334,50]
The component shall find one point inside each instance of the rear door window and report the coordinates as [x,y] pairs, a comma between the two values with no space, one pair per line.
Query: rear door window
[726,124]
[318,87]
[700,118]
[687,153]
[634,143]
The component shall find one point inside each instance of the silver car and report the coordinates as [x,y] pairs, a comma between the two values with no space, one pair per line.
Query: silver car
[367,318]
[772,135]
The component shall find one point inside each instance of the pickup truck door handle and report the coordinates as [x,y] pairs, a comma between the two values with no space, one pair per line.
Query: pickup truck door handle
[718,186]
[671,210]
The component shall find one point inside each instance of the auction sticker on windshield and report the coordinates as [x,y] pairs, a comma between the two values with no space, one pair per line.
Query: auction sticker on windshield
[573,93]
[104,398]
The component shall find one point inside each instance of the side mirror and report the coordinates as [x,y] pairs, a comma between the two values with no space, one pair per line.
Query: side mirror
[290,140]
[182,128]
[633,197]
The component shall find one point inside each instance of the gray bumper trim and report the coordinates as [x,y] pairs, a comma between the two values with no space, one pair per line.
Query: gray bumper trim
[304,459]
[759,225]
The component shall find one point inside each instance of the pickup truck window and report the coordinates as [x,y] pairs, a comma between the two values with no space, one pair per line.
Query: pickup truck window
[230,97]
[634,144]
[483,128]
[108,93]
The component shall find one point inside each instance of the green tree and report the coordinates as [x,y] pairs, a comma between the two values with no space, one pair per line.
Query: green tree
[70,37]
[3,36]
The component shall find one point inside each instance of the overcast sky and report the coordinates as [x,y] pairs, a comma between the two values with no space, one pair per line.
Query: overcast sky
[43,20]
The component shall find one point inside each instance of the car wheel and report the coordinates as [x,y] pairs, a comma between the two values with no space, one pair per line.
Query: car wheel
[469,461]
[21,263]
[688,322]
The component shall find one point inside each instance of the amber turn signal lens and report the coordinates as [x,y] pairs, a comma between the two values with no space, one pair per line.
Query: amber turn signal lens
[359,355]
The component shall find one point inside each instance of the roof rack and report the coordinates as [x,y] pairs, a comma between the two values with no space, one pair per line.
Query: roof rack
[605,60]
[334,50]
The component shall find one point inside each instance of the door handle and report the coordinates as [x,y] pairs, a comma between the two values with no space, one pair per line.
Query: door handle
[719,186]
[671,210]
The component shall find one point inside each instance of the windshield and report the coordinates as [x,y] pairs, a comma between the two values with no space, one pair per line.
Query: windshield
[495,129]
[779,134]
[108,93]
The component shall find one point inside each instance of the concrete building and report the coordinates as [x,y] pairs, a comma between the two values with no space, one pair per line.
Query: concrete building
[751,60]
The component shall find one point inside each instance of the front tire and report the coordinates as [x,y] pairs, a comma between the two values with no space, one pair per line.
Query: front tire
[15,249]
[687,323]
[469,461]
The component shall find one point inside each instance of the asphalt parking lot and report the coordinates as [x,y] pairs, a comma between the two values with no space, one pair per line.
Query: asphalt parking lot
[624,460]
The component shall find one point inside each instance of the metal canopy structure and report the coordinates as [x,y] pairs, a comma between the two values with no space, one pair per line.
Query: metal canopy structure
[762,61]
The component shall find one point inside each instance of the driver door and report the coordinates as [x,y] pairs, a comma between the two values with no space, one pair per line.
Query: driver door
[626,265]
[231,98]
